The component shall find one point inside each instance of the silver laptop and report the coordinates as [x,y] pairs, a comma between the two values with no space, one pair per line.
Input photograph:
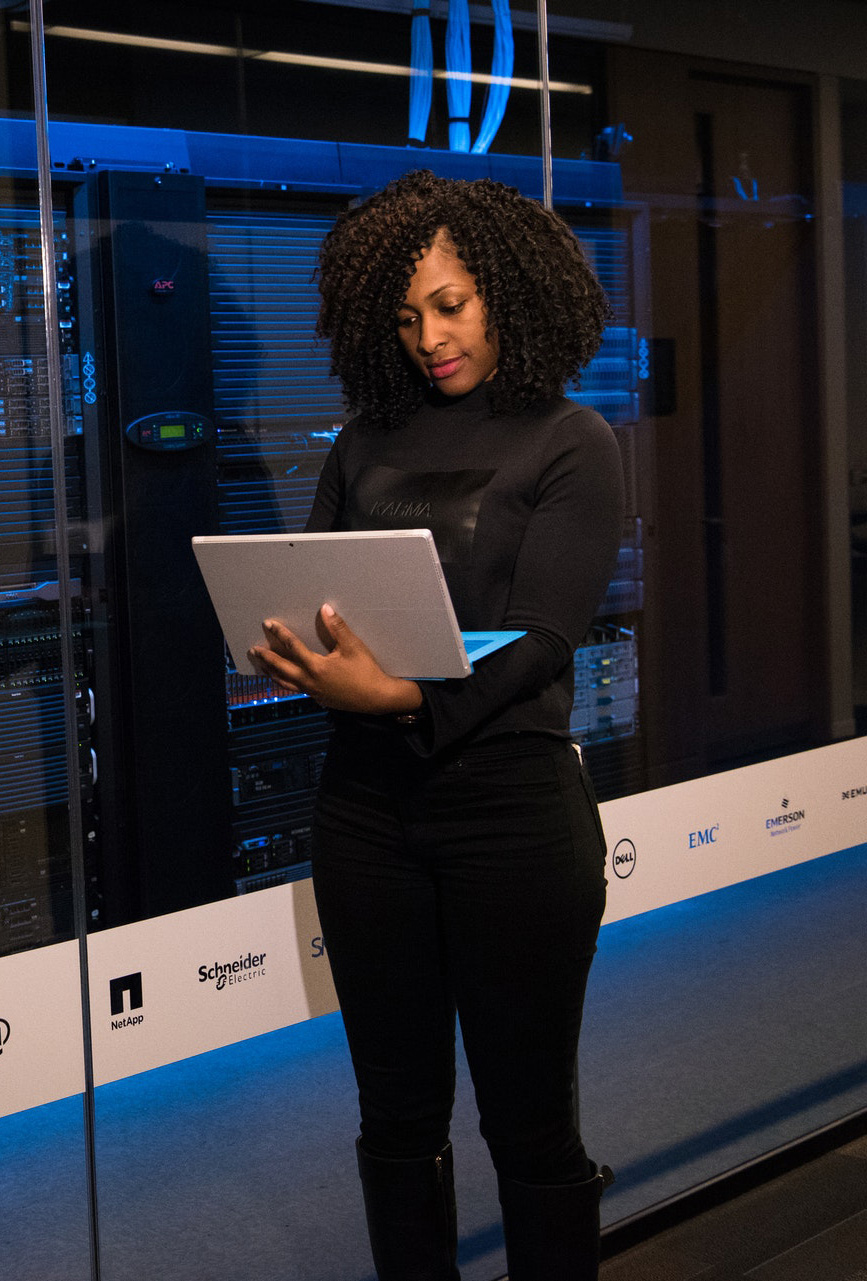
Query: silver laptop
[387,584]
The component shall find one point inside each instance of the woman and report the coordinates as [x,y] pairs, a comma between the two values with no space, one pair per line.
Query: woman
[459,860]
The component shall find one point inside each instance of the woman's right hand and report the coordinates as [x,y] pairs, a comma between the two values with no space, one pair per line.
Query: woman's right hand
[348,678]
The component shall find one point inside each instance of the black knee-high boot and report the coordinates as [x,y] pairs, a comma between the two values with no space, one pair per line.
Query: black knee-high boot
[552,1230]
[411,1216]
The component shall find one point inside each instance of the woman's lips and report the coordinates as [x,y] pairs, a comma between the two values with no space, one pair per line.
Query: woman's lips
[446,368]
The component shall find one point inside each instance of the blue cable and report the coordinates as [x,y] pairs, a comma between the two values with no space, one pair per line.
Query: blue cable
[421,71]
[458,71]
[502,64]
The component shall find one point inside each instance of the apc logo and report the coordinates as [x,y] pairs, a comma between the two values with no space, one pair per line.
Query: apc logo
[5,1033]
[704,836]
[129,985]
[623,858]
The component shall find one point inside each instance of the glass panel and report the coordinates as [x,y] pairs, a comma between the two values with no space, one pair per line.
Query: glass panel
[716,370]
[208,405]
[200,155]
[725,258]
[43,1165]
[203,153]
[711,1035]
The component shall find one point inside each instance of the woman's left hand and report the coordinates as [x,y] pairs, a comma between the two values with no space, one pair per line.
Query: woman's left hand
[347,678]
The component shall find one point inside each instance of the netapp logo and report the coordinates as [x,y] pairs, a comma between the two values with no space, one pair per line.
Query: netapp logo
[623,858]
[852,793]
[787,822]
[228,973]
[129,985]
[704,836]
[5,1033]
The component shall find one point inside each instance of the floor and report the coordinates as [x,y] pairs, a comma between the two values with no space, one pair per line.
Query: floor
[807,1225]
[717,1031]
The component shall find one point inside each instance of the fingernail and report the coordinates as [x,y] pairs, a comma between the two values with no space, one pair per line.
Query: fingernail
[327,611]
[269,624]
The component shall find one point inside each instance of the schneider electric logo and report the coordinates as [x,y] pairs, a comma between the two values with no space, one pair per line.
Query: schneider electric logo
[787,822]
[228,973]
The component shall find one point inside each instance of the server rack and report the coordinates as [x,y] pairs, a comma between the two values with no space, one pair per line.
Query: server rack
[35,869]
[198,401]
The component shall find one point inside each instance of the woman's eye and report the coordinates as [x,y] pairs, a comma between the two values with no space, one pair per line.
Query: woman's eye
[404,322]
[451,309]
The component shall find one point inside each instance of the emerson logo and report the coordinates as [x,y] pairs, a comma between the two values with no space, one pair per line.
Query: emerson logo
[623,858]
[126,995]
[228,973]
[789,821]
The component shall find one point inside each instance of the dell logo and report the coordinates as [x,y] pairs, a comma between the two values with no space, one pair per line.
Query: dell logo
[623,858]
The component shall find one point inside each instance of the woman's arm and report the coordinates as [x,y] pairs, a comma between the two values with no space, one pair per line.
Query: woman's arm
[565,561]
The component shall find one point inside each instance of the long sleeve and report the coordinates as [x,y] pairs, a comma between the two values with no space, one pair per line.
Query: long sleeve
[526,512]
[563,566]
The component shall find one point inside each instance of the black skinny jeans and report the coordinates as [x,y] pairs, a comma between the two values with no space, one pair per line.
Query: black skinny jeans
[474,884]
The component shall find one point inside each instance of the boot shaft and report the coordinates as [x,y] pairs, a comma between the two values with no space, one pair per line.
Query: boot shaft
[411,1216]
[552,1231]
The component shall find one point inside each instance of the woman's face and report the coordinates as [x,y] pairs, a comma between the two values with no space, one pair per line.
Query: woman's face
[442,322]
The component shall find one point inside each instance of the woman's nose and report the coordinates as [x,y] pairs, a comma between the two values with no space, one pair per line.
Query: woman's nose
[430,335]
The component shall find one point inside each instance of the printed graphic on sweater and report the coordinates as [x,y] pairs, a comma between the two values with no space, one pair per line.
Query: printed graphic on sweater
[445,502]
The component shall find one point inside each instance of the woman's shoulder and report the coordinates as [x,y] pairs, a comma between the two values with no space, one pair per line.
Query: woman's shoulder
[568,421]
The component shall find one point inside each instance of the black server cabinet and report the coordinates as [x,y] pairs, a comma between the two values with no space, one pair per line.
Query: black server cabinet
[163,677]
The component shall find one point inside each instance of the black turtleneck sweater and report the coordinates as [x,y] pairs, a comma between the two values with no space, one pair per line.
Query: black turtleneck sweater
[526,512]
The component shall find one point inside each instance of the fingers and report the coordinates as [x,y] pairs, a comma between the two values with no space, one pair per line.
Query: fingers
[332,630]
[271,665]
[283,659]
[286,660]
[347,677]
[284,642]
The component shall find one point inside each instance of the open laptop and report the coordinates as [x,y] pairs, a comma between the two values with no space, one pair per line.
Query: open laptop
[387,584]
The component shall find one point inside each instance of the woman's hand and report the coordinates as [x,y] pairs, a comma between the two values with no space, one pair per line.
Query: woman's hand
[347,678]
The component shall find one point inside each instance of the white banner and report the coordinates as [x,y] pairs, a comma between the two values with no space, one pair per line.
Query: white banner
[675,842]
[179,985]
[183,984]
[41,1046]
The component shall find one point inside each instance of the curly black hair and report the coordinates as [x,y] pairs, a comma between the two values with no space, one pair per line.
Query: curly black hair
[542,300]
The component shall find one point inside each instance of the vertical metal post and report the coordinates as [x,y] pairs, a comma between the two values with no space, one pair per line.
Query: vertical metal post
[838,718]
[545,104]
[55,406]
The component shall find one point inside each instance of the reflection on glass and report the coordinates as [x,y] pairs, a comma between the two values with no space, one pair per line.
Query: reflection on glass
[246,130]
[34,854]
[41,1074]
[319,71]
[204,402]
